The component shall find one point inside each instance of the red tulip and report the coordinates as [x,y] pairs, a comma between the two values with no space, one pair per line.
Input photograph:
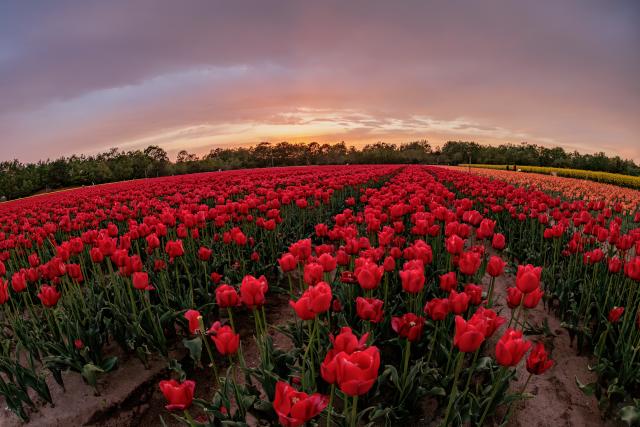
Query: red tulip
[226,341]
[488,320]
[174,249]
[287,262]
[4,291]
[412,280]
[34,260]
[194,324]
[511,347]
[347,341]
[448,281]
[227,296]
[49,296]
[342,257]
[532,299]
[474,292]
[485,230]
[468,335]
[315,300]
[458,302]
[389,264]
[159,264]
[96,255]
[369,275]
[369,309]
[294,408]
[538,361]
[615,314]
[204,254]
[495,266]
[348,277]
[528,278]
[357,372]
[437,308]
[514,297]
[312,273]
[469,263]
[178,395]
[141,281]
[408,326]
[328,262]
[498,242]
[454,244]
[19,281]
[252,291]
[632,268]
[615,265]
[152,243]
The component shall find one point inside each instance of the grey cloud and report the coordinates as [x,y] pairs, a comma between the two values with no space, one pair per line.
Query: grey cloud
[79,75]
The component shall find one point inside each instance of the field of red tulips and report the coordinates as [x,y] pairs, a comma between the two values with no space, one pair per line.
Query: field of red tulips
[334,296]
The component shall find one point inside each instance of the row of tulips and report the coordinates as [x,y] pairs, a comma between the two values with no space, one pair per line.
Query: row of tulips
[393,304]
[392,285]
[590,248]
[122,263]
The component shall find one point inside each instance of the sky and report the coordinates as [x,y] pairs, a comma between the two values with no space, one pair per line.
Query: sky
[84,76]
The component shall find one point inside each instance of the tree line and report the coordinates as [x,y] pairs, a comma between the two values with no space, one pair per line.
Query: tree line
[19,180]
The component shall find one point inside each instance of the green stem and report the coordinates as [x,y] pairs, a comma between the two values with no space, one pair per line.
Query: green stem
[312,334]
[433,342]
[330,407]
[354,412]
[405,367]
[203,336]
[473,365]
[454,389]
[492,397]
[490,293]
[235,389]
[510,410]
[189,418]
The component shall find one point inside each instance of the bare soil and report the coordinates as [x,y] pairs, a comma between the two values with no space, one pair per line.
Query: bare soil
[557,400]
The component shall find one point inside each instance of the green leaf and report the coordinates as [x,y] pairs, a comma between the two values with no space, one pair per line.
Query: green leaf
[109,364]
[176,367]
[587,389]
[89,373]
[437,391]
[630,415]
[484,364]
[263,405]
[195,348]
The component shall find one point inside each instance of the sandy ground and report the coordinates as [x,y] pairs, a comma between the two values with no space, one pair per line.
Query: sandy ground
[557,400]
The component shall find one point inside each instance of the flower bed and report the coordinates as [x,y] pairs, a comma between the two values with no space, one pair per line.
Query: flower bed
[390,272]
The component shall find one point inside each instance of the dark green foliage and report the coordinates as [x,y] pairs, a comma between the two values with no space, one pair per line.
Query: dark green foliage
[19,180]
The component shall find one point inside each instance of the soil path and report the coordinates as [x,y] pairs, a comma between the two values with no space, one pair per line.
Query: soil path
[557,400]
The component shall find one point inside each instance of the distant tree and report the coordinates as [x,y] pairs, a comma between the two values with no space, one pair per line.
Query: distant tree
[17,179]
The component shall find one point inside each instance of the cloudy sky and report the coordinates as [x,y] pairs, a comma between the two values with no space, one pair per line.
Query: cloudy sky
[84,76]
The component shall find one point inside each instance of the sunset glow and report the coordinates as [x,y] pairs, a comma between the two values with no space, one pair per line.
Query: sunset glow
[81,77]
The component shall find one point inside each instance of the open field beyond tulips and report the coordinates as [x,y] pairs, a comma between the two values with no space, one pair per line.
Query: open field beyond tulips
[333,296]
